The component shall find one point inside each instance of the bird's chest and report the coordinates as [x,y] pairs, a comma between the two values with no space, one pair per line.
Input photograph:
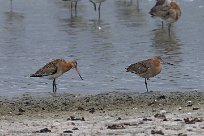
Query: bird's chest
[56,75]
[153,72]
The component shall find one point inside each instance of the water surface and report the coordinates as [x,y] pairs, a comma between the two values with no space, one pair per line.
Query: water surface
[37,31]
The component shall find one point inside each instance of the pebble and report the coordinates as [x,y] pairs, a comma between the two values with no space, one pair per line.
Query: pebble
[116,126]
[44,130]
[67,131]
[192,121]
[75,128]
[157,132]
[196,108]
[163,112]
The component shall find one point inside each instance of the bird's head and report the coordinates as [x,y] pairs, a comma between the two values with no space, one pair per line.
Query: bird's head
[74,66]
[162,60]
[158,58]
[73,63]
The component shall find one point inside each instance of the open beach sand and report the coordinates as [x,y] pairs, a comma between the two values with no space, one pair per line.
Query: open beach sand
[112,113]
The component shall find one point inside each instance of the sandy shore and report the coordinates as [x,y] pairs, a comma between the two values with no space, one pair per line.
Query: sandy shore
[113,113]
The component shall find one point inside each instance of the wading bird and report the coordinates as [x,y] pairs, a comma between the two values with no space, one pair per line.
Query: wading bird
[99,7]
[56,68]
[168,10]
[146,68]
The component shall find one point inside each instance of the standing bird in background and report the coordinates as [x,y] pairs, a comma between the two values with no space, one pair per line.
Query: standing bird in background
[168,10]
[75,6]
[99,7]
[56,68]
[146,68]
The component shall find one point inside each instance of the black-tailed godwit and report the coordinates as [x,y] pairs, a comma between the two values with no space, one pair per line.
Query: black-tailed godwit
[146,68]
[167,10]
[56,68]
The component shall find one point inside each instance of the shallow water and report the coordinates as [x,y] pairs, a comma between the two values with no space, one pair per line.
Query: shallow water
[37,31]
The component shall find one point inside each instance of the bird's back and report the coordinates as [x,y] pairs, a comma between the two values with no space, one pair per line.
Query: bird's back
[167,10]
[146,68]
[49,69]
[139,67]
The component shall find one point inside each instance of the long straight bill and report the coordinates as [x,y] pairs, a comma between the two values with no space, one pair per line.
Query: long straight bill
[79,73]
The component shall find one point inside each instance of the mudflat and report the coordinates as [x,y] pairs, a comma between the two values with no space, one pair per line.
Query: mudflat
[111,113]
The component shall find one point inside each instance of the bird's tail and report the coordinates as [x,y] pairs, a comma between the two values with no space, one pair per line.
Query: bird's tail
[132,68]
[128,69]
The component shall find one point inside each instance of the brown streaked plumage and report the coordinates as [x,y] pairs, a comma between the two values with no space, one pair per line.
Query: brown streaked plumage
[167,10]
[146,68]
[56,68]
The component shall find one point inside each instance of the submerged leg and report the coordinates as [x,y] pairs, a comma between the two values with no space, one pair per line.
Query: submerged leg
[162,24]
[146,84]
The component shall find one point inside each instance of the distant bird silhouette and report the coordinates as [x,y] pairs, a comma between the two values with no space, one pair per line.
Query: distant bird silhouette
[56,68]
[167,10]
[99,7]
[146,68]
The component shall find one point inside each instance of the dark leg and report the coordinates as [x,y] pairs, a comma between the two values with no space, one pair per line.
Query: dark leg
[75,8]
[75,5]
[99,12]
[93,4]
[169,28]
[71,8]
[146,84]
[54,86]
[138,7]
[162,24]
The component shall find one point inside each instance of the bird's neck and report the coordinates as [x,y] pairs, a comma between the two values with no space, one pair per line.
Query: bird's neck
[67,67]
[157,63]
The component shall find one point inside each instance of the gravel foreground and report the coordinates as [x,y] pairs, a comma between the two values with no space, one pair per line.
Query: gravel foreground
[112,113]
